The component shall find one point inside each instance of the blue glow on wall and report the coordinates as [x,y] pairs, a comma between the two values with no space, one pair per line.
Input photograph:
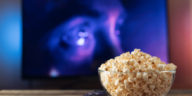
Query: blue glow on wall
[10,34]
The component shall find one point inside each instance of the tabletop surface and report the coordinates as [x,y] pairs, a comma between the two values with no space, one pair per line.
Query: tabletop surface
[71,92]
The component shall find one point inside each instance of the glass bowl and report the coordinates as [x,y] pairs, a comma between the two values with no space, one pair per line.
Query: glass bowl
[151,83]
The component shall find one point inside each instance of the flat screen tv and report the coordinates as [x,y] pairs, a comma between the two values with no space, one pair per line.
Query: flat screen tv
[70,38]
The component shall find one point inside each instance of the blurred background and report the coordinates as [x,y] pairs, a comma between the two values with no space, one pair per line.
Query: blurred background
[163,29]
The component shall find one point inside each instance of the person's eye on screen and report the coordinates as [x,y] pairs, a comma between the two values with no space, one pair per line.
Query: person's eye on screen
[76,34]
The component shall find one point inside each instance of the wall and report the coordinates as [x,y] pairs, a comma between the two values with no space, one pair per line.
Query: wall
[180,28]
[10,44]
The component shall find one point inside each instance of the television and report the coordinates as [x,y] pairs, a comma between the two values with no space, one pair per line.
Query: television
[71,38]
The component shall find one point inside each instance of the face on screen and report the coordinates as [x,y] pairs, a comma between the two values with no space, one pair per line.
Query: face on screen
[77,41]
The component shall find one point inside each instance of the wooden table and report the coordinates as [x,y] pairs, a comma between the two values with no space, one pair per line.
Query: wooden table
[71,92]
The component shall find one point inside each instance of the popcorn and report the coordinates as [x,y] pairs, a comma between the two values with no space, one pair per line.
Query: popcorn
[136,74]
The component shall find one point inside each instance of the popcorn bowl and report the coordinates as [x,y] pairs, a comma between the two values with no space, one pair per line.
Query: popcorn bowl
[150,83]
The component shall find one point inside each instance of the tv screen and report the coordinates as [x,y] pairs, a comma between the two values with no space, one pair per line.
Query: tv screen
[64,38]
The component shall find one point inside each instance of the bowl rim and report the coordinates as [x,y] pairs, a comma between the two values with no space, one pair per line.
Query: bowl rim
[171,71]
